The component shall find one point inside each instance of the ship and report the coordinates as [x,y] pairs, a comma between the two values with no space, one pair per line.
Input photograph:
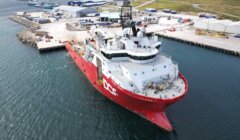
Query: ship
[39,4]
[32,2]
[131,70]
[49,5]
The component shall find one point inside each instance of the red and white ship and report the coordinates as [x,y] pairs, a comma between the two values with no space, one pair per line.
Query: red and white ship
[131,71]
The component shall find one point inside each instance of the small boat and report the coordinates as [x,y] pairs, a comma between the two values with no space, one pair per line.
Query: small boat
[32,2]
[39,4]
[50,5]
[55,4]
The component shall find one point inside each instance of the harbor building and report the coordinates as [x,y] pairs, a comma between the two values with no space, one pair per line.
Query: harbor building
[109,16]
[74,11]
[222,26]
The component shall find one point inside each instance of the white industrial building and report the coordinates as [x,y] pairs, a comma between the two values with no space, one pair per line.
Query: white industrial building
[74,11]
[226,26]
[234,28]
[109,16]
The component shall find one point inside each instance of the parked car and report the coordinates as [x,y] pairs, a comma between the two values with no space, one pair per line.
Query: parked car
[237,35]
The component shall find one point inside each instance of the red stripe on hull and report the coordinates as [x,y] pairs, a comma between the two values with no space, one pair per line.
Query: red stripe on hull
[150,108]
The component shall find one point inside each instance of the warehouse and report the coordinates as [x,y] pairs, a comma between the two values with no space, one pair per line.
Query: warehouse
[109,16]
[234,28]
[74,11]
[224,26]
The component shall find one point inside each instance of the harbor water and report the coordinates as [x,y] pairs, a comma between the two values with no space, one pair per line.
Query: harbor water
[46,97]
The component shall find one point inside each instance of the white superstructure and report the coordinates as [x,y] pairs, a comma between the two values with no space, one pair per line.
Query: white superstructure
[134,62]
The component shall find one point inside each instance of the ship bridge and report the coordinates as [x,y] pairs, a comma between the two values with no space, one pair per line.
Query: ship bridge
[134,48]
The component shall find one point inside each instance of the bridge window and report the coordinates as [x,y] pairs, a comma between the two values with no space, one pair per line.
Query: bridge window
[110,56]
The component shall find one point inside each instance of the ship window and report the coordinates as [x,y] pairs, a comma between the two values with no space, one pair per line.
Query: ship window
[110,56]
[165,66]
[135,74]
[143,72]
[158,46]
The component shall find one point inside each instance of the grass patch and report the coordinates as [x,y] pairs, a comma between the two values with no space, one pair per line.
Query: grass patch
[223,6]
[212,6]
[167,4]
[137,2]
[213,2]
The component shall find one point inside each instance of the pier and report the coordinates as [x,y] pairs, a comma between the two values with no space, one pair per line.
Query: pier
[44,46]
[222,45]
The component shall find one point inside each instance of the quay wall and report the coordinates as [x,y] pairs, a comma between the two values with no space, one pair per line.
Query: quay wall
[202,45]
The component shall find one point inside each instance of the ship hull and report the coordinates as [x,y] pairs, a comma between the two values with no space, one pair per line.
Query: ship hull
[150,109]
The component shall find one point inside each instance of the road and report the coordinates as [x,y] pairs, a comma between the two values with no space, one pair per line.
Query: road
[145,3]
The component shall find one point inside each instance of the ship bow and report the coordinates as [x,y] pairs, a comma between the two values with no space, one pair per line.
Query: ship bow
[160,119]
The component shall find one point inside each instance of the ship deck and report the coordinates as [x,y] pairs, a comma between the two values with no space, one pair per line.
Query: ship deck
[173,90]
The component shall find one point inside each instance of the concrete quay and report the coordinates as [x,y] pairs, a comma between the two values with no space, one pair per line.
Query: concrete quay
[229,46]
[44,46]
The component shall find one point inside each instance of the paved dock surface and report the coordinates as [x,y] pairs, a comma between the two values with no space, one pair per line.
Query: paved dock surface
[183,32]
[232,44]
[186,34]
[44,46]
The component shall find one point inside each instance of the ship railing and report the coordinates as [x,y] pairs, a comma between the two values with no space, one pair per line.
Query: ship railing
[174,62]
[166,55]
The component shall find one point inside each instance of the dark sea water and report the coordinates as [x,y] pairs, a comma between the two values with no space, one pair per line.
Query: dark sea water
[46,97]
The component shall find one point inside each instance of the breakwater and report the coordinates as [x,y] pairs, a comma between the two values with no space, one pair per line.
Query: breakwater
[25,22]
[27,36]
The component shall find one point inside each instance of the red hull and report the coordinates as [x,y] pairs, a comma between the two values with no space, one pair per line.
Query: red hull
[150,108]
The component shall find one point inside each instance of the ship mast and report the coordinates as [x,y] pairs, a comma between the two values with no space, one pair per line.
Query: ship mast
[126,14]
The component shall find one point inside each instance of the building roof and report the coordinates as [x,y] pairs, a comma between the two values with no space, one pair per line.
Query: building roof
[225,22]
[70,8]
[110,14]
[218,25]
[88,1]
[235,23]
